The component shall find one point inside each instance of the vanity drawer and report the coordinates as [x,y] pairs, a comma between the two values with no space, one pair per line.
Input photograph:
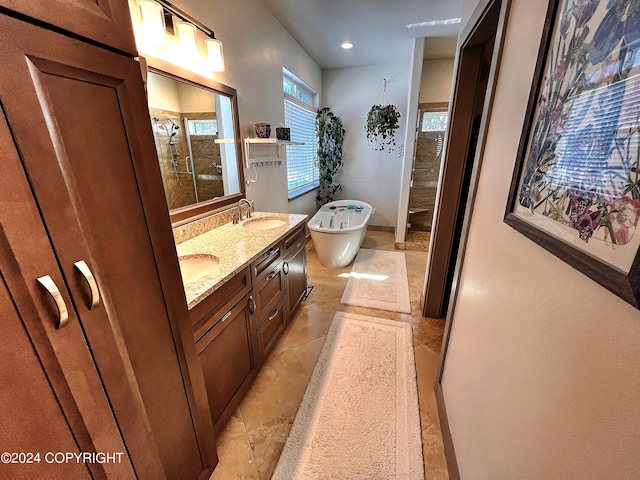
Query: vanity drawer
[268,293]
[294,241]
[270,330]
[219,301]
[263,265]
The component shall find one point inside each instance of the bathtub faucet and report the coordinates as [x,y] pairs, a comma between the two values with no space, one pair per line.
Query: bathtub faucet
[331,220]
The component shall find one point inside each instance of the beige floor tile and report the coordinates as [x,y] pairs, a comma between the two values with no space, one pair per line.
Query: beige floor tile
[435,463]
[235,459]
[435,344]
[309,352]
[267,442]
[252,441]
[235,425]
[427,363]
[275,391]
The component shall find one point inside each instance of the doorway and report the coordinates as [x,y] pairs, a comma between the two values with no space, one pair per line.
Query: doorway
[430,133]
[469,111]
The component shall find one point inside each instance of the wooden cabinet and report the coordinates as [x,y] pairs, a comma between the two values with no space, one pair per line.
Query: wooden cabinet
[106,22]
[86,187]
[295,270]
[236,327]
[223,329]
[49,381]
[227,357]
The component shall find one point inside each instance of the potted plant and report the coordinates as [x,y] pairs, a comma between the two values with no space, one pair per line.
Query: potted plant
[382,123]
[330,133]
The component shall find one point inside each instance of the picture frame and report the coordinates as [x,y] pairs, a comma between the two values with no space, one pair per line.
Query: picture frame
[575,190]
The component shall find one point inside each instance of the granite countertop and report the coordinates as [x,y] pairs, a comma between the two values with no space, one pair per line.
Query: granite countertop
[236,247]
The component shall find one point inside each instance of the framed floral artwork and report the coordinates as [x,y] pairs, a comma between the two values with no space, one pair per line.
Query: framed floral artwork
[576,186]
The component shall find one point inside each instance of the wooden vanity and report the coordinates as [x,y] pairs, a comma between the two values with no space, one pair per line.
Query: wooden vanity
[241,309]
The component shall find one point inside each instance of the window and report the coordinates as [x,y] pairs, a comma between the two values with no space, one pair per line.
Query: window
[300,102]
[434,121]
[203,127]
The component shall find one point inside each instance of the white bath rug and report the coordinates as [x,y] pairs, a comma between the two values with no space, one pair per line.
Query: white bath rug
[359,417]
[378,279]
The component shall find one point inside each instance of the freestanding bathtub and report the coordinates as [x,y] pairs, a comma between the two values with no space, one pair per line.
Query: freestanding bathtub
[338,229]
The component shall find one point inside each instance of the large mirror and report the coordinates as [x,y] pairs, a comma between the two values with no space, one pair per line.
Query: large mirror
[195,127]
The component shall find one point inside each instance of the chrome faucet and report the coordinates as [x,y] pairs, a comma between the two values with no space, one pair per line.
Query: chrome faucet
[249,206]
[331,220]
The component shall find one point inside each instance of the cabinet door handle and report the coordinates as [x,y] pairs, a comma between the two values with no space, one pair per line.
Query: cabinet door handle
[285,268]
[83,268]
[271,275]
[252,305]
[50,286]
[273,314]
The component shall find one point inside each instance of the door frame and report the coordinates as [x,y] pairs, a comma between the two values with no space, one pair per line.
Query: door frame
[480,27]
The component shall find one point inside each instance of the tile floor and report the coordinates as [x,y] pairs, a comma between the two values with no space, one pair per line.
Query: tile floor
[250,444]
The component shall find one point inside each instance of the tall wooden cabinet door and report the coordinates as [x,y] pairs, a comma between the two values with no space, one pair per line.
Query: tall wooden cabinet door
[79,117]
[104,21]
[51,397]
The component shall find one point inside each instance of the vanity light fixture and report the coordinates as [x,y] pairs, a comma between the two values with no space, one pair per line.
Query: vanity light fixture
[161,28]
[187,38]
[347,45]
[153,20]
[214,54]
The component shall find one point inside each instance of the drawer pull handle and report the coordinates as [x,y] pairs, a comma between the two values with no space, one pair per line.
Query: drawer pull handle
[271,275]
[285,268]
[273,315]
[50,286]
[252,305]
[270,252]
[83,268]
[226,316]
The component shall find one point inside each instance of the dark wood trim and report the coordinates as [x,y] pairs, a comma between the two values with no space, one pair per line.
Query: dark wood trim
[479,15]
[166,69]
[447,439]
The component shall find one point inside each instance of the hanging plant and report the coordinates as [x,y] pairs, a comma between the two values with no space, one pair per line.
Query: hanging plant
[330,133]
[382,123]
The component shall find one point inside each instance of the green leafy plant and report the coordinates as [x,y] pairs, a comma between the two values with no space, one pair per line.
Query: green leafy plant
[330,133]
[382,123]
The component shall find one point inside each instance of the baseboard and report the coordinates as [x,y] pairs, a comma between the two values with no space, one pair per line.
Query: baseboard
[382,228]
[447,440]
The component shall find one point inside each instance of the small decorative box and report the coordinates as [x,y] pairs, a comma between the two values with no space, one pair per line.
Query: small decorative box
[283,133]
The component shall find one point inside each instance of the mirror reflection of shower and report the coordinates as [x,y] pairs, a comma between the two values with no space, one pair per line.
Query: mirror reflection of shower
[189,156]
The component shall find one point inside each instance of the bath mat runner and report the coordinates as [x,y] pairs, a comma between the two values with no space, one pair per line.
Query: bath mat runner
[378,279]
[359,416]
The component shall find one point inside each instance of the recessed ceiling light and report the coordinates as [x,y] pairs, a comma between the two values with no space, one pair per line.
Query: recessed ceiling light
[433,23]
[347,45]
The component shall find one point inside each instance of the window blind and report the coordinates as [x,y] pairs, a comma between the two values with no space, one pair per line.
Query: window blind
[302,173]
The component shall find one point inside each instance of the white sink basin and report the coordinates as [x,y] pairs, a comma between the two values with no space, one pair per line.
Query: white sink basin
[263,223]
[194,267]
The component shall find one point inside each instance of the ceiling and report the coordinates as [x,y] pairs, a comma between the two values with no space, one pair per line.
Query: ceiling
[377,28]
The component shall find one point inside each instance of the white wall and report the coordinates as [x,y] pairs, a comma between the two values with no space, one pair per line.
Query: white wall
[541,377]
[437,76]
[256,47]
[368,175]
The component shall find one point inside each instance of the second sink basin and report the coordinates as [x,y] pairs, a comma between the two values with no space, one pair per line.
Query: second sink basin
[263,223]
[194,267]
